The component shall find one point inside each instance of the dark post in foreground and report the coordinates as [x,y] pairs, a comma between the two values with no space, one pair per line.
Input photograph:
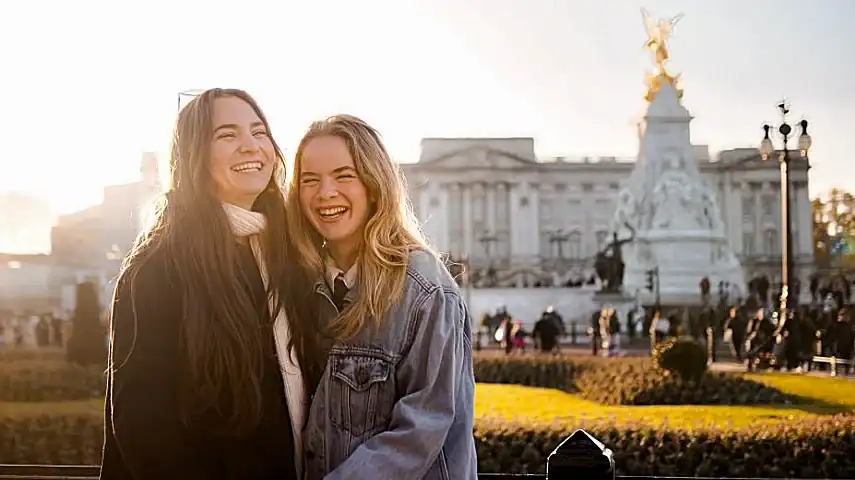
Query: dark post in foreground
[580,456]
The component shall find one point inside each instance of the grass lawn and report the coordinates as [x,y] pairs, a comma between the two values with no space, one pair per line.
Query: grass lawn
[823,396]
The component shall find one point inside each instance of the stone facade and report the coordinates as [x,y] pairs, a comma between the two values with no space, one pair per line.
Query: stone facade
[494,201]
[91,243]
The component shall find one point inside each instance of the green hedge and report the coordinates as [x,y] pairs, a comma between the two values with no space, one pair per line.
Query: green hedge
[49,381]
[820,448]
[39,429]
[10,354]
[51,434]
[625,381]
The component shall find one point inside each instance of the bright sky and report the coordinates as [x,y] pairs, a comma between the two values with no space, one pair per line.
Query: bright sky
[92,84]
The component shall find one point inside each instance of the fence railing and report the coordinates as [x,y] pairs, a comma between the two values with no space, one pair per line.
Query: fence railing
[579,456]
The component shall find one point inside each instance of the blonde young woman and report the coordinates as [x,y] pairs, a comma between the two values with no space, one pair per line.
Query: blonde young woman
[395,397]
[200,384]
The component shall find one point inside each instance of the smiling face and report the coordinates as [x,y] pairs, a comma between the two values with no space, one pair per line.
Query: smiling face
[242,153]
[332,196]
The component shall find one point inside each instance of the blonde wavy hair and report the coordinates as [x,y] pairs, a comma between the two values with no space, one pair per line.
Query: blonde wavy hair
[391,232]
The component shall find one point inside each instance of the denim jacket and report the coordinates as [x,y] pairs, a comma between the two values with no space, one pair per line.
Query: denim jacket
[396,402]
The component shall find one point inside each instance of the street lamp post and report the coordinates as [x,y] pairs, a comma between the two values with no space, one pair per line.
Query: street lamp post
[766,150]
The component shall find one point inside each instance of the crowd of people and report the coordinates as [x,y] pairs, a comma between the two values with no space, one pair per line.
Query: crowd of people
[750,327]
[30,329]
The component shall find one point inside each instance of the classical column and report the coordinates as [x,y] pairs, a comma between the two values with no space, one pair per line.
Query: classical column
[501,223]
[436,215]
[733,217]
[442,217]
[468,238]
[758,227]
[456,227]
[803,220]
[478,215]
[423,205]
[491,207]
[524,221]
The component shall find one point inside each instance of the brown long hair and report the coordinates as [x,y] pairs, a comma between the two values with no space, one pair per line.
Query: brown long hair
[221,338]
[391,232]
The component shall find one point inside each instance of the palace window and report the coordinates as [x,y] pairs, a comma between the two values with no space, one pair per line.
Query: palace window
[574,245]
[546,210]
[601,239]
[769,204]
[770,242]
[748,243]
[748,205]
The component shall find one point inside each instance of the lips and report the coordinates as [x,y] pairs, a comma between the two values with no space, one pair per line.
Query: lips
[331,213]
[248,167]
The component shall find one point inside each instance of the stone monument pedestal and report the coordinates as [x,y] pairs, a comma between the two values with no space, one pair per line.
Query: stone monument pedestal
[684,258]
[614,299]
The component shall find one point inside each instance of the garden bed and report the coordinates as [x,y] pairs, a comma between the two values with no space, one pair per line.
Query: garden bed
[813,447]
[627,381]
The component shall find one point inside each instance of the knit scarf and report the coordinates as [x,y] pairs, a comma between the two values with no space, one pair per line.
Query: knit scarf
[249,224]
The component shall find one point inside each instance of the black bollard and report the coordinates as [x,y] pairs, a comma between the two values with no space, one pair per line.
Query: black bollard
[580,456]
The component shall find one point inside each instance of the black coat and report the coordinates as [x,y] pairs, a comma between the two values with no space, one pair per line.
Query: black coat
[144,436]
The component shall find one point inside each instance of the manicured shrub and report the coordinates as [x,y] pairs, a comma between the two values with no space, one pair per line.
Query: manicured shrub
[10,354]
[49,381]
[88,342]
[625,381]
[531,371]
[682,357]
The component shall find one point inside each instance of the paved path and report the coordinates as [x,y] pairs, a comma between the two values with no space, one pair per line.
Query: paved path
[738,367]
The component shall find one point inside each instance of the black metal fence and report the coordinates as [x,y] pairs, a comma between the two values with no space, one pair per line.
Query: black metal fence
[579,456]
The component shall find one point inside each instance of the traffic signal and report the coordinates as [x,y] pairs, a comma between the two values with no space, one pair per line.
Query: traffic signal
[650,275]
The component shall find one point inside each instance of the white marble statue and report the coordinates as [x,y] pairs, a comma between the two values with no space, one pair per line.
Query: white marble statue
[676,214]
[675,202]
[627,212]
[709,213]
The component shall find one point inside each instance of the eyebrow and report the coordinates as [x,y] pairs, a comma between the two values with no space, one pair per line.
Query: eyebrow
[346,168]
[235,126]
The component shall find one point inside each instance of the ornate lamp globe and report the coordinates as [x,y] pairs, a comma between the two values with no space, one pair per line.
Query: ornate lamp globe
[804,139]
[766,147]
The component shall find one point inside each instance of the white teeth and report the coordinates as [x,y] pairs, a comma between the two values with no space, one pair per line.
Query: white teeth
[329,212]
[254,166]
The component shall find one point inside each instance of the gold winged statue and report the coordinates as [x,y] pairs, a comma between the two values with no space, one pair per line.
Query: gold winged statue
[658,33]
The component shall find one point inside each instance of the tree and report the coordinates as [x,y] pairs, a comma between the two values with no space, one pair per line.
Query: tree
[834,229]
[88,342]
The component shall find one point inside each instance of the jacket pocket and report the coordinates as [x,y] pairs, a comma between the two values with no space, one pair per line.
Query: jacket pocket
[361,393]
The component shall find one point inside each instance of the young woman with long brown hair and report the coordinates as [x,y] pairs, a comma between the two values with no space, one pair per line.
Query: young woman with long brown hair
[201,384]
[395,398]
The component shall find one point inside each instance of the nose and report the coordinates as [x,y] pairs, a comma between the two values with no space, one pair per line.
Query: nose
[248,143]
[328,189]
